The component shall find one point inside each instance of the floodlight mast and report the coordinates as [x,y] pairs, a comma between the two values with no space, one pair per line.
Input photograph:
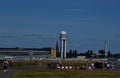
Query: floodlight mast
[106,49]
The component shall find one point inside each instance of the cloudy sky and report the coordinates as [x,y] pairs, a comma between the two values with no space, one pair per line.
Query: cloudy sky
[37,23]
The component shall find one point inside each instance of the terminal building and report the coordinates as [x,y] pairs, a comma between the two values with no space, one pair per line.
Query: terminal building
[27,53]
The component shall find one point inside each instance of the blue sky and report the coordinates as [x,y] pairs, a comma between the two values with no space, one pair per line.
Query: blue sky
[37,23]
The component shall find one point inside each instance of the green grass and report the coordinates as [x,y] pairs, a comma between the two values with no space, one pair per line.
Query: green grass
[45,62]
[51,73]
[64,62]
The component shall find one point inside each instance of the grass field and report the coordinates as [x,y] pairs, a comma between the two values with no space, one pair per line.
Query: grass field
[52,73]
[57,73]
[45,62]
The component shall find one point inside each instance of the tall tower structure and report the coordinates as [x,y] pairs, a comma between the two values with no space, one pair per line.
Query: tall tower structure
[57,49]
[106,49]
[63,38]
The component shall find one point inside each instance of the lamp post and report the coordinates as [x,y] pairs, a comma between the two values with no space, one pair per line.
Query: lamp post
[31,54]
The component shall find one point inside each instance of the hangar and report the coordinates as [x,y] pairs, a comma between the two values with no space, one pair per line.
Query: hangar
[27,53]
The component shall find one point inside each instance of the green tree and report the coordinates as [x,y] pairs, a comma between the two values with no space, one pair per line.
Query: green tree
[89,53]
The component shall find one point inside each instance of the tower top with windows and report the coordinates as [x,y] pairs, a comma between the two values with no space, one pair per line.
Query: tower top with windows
[63,35]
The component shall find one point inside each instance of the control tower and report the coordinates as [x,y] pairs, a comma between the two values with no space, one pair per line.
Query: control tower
[63,38]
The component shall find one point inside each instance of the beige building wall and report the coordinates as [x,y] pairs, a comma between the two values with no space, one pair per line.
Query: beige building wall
[53,53]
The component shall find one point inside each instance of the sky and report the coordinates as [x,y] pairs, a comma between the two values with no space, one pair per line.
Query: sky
[38,23]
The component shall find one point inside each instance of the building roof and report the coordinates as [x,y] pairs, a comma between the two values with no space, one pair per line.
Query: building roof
[21,49]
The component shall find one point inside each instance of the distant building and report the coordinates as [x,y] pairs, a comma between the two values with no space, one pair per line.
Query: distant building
[81,57]
[27,53]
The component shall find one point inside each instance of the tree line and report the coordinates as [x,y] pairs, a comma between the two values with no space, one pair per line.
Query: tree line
[89,54]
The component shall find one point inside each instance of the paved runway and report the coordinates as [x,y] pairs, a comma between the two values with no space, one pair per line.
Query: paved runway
[15,69]
[6,75]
